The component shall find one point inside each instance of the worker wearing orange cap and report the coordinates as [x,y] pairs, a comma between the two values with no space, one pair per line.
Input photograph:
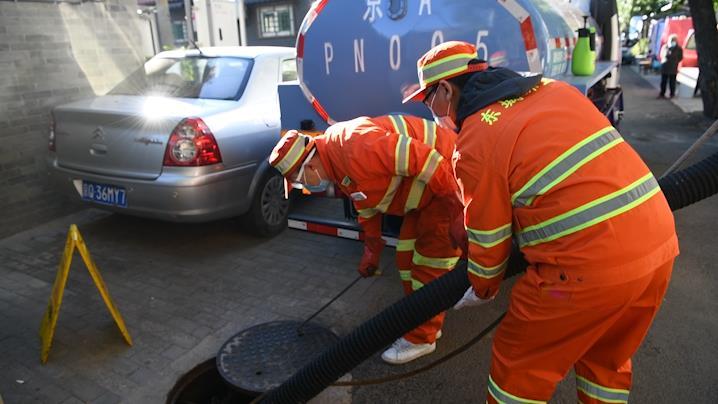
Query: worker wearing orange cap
[397,165]
[537,161]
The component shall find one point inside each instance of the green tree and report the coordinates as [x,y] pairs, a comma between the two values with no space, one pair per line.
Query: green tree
[704,24]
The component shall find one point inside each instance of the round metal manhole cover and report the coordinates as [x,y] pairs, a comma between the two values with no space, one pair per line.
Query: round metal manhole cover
[262,357]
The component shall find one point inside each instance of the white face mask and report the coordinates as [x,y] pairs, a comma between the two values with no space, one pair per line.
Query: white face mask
[444,121]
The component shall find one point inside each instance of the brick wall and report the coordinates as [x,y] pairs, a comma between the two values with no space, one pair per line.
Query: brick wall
[51,54]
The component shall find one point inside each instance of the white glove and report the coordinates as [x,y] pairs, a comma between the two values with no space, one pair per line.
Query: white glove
[470,299]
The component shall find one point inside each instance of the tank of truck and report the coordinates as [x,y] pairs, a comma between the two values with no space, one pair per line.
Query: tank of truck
[359,57]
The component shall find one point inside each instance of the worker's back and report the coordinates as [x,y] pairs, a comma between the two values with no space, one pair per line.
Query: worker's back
[580,195]
[362,158]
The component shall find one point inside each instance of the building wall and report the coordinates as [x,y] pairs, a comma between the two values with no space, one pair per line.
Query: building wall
[51,54]
[301,7]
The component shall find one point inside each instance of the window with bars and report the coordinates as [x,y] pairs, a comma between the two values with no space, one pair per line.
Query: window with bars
[276,21]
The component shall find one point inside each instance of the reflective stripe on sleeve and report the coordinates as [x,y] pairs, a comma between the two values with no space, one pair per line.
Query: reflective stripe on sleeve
[487,272]
[401,157]
[598,392]
[415,193]
[405,245]
[419,184]
[430,166]
[429,133]
[590,214]
[416,285]
[400,125]
[385,200]
[489,238]
[566,164]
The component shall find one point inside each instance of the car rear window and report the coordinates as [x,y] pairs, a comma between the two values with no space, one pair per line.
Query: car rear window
[219,78]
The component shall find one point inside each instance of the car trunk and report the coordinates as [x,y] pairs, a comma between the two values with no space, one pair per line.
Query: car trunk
[122,136]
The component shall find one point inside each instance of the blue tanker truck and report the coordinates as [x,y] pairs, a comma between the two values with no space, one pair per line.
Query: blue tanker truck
[358,57]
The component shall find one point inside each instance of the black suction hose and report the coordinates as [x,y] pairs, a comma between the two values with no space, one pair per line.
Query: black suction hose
[692,184]
[681,189]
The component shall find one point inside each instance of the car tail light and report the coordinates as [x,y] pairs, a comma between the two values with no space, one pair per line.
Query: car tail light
[51,135]
[192,144]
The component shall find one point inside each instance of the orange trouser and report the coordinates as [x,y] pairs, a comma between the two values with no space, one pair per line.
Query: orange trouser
[559,319]
[425,253]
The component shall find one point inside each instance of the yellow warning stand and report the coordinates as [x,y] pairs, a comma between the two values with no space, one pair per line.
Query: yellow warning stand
[49,320]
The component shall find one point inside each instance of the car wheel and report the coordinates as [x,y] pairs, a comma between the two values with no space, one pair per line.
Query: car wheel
[268,215]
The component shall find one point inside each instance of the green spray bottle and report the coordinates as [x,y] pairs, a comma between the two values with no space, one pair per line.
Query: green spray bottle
[583,62]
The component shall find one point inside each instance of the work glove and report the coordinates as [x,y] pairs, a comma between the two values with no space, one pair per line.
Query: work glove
[470,299]
[370,260]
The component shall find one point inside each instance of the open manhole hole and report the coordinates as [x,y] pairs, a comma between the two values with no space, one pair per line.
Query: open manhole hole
[204,385]
[252,362]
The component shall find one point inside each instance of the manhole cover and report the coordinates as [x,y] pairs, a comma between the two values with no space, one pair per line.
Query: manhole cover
[262,357]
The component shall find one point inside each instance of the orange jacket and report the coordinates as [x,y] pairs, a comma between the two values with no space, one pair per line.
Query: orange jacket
[389,164]
[549,169]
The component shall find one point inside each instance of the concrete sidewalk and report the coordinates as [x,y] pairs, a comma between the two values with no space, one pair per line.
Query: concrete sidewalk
[686,104]
[182,290]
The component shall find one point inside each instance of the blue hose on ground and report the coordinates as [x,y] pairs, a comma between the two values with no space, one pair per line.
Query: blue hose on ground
[681,189]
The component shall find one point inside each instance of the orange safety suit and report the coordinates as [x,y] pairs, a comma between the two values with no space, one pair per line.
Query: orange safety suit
[399,165]
[548,169]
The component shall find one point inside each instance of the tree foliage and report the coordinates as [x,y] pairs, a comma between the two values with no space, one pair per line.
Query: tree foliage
[648,7]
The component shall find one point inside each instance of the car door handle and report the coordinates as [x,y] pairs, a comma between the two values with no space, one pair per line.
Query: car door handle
[98,149]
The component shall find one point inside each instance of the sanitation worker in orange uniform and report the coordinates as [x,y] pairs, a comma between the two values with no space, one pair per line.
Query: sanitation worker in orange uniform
[398,165]
[537,162]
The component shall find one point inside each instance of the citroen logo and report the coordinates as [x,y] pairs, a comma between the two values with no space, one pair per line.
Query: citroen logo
[98,134]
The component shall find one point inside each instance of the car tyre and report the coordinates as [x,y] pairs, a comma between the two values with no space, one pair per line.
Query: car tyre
[268,214]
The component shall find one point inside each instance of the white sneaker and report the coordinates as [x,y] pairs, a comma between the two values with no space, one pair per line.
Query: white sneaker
[403,351]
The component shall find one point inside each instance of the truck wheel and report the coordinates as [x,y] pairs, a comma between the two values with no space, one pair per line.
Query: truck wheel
[268,214]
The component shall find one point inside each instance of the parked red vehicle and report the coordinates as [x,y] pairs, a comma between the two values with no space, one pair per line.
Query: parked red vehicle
[690,56]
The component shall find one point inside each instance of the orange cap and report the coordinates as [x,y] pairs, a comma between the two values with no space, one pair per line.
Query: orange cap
[290,152]
[442,62]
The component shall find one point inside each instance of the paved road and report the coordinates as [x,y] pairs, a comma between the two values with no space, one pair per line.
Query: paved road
[185,289]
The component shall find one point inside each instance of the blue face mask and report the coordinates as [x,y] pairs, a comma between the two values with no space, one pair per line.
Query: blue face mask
[323,186]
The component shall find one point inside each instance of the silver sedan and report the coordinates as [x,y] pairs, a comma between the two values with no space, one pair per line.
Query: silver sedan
[185,138]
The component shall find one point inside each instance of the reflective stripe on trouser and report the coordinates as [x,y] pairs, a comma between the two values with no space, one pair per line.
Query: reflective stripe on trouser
[404,254]
[429,228]
[590,325]
[502,396]
[601,393]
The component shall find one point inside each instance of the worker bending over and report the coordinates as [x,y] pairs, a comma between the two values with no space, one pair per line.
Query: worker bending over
[537,161]
[397,165]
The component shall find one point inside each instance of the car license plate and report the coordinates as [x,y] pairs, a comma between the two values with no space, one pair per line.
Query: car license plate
[104,194]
